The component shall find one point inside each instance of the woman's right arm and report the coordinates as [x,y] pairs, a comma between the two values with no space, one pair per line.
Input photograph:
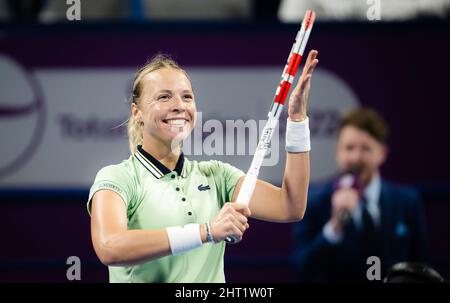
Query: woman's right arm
[115,245]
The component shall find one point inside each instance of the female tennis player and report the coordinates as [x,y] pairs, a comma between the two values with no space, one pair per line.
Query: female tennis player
[159,217]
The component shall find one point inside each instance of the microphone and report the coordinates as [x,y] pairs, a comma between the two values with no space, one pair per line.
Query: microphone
[348,179]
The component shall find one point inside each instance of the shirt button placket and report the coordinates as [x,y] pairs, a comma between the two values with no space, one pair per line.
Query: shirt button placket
[187,209]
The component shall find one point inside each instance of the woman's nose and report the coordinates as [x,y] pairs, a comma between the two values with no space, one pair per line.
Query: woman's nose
[178,103]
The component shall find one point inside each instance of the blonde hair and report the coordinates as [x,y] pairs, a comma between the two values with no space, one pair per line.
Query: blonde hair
[160,61]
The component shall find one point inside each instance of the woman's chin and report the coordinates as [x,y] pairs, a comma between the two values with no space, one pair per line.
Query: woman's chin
[177,132]
[175,137]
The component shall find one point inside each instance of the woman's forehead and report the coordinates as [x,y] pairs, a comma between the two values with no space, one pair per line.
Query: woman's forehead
[166,79]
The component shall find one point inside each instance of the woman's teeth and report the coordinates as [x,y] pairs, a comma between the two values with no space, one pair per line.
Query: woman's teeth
[177,122]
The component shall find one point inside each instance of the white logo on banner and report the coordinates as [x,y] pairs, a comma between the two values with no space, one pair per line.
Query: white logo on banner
[83,108]
[22,116]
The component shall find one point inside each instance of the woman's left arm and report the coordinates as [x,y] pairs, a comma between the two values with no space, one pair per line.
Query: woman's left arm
[288,203]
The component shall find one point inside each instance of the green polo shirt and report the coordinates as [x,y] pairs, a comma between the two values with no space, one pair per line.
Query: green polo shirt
[156,198]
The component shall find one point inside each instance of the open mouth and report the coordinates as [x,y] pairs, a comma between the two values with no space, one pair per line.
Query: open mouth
[177,125]
[175,122]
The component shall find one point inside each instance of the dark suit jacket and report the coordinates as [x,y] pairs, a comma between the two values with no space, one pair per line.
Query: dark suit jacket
[402,237]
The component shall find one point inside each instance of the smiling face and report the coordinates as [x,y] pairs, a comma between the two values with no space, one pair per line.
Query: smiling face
[166,107]
[357,148]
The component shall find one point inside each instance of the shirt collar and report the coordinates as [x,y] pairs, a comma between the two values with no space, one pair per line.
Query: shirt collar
[371,195]
[155,167]
[373,190]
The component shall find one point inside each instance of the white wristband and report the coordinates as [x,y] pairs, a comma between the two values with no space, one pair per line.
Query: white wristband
[183,239]
[297,136]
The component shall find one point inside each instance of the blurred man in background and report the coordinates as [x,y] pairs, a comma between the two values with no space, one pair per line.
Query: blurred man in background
[358,214]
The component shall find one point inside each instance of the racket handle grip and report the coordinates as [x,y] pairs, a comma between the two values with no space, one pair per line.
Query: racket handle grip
[247,188]
[245,193]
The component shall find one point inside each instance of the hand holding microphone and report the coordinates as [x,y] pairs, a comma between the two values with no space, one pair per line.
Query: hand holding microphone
[345,198]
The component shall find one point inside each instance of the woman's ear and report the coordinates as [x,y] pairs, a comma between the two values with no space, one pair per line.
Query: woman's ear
[136,112]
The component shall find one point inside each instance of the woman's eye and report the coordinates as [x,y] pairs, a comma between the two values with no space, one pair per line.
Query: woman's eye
[188,97]
[164,97]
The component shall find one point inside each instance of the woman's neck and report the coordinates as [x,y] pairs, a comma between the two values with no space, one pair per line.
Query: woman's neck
[162,152]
